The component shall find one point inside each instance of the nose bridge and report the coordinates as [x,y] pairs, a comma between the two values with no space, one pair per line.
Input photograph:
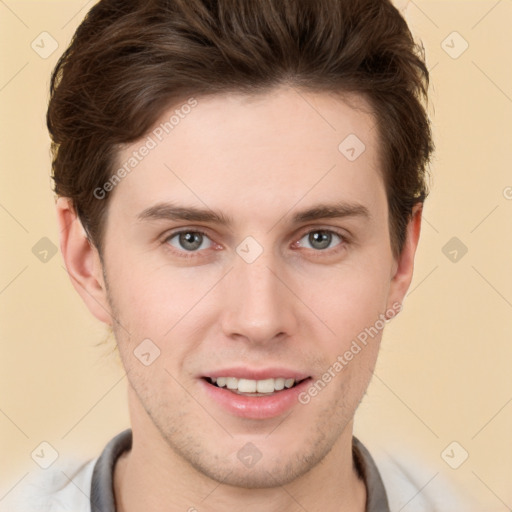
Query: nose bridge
[258,306]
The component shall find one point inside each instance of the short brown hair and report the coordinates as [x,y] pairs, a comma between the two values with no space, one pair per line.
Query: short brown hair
[130,60]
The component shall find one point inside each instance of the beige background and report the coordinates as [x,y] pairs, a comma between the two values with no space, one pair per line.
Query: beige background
[444,372]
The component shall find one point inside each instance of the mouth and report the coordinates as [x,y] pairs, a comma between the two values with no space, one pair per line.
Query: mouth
[268,394]
[254,388]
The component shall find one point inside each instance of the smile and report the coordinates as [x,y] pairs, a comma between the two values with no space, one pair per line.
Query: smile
[258,399]
[253,387]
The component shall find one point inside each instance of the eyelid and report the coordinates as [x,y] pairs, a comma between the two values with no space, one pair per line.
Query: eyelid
[183,253]
[168,235]
[302,232]
[344,240]
[177,231]
[342,233]
[344,237]
[331,229]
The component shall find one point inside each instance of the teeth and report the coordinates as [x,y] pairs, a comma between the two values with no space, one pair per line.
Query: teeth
[232,383]
[279,384]
[247,386]
[253,386]
[288,383]
[265,386]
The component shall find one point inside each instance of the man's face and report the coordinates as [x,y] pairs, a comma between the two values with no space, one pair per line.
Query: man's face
[279,292]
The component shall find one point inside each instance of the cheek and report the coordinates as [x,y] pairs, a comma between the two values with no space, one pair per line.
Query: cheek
[350,298]
[173,308]
[158,301]
[153,298]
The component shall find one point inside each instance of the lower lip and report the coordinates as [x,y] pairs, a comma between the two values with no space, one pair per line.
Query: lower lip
[255,407]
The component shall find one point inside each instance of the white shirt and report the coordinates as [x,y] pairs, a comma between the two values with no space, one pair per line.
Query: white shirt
[73,487]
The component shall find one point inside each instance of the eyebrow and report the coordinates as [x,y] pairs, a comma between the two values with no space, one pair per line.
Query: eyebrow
[170,211]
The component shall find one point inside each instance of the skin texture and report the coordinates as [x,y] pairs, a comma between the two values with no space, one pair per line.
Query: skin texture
[259,161]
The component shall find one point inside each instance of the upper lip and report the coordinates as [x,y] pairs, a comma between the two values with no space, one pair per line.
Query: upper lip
[258,374]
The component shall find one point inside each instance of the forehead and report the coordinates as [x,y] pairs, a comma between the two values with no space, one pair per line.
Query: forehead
[243,153]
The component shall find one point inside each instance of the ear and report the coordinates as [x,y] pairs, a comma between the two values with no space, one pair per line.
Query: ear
[404,264]
[82,261]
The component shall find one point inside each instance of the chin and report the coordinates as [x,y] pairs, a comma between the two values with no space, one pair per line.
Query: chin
[253,465]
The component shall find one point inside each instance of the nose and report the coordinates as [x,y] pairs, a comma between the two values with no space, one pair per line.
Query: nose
[257,306]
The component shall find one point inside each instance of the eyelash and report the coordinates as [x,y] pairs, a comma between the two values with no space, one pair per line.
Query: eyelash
[193,254]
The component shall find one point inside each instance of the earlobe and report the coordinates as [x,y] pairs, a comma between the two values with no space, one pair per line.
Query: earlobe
[82,261]
[404,265]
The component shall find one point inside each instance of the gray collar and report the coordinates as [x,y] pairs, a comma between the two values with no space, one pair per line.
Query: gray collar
[102,489]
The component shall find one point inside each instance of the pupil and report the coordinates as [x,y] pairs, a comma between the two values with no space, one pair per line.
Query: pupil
[320,239]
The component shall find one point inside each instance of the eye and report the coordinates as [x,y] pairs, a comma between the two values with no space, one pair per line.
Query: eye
[320,239]
[190,241]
